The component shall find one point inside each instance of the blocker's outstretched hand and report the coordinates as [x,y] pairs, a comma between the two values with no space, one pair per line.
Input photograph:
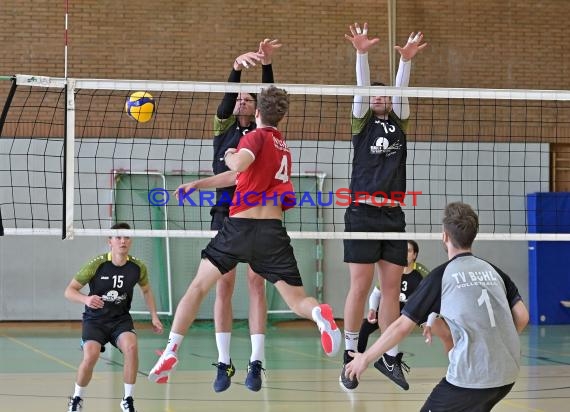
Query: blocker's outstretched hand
[247,60]
[412,47]
[266,49]
[359,38]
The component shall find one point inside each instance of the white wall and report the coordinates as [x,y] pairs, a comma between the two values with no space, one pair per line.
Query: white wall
[495,178]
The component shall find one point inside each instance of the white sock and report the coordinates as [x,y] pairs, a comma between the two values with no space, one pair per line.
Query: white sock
[223,340]
[174,341]
[393,352]
[129,388]
[257,347]
[351,341]
[78,391]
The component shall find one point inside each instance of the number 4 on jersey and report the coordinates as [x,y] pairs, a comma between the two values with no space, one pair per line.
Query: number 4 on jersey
[282,172]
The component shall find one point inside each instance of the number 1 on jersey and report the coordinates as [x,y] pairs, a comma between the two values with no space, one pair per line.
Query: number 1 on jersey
[282,172]
[484,299]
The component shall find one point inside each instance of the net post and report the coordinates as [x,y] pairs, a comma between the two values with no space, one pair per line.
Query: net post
[2,120]
[168,262]
[320,249]
[8,103]
[69,160]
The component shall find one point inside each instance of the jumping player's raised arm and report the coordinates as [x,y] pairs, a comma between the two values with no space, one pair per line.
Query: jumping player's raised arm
[226,107]
[359,39]
[414,45]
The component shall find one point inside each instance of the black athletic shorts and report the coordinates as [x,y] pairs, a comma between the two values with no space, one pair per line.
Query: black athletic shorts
[368,218]
[218,213]
[103,331]
[446,397]
[263,243]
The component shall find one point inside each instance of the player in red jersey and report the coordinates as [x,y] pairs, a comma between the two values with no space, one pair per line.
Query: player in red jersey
[234,118]
[254,232]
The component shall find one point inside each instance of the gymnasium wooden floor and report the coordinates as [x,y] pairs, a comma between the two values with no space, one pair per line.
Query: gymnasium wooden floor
[38,362]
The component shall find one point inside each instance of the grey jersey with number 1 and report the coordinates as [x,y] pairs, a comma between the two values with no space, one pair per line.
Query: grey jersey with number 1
[475,299]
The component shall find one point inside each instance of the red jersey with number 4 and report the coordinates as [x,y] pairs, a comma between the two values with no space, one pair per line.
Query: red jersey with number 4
[267,181]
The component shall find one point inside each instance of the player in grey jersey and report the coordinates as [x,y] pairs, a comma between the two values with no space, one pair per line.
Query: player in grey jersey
[484,312]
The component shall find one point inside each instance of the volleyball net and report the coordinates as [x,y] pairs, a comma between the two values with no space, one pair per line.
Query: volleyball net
[66,143]
[72,162]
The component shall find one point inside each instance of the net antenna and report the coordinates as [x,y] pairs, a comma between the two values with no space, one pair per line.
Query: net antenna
[65,37]
[68,144]
[392,37]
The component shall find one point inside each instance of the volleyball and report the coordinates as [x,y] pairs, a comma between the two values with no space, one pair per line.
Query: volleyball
[140,106]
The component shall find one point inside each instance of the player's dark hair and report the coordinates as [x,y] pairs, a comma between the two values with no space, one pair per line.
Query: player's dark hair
[121,225]
[415,247]
[461,224]
[273,105]
[379,84]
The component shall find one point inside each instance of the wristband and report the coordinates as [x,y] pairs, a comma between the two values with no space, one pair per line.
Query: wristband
[431,318]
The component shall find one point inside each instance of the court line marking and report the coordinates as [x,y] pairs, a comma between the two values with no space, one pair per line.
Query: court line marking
[46,355]
[514,404]
[39,352]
